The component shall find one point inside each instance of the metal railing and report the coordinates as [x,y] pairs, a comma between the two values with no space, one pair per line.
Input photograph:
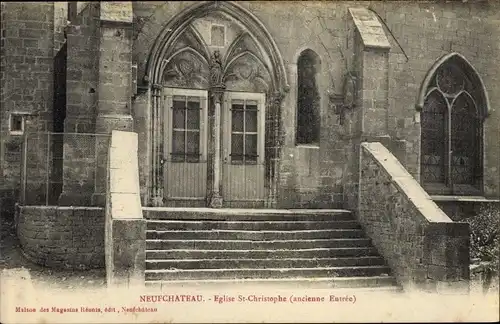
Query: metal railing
[62,163]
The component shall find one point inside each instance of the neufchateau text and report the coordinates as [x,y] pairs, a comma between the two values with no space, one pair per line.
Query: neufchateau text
[258,298]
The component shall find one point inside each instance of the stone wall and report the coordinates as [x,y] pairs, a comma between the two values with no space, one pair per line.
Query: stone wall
[82,84]
[419,34]
[28,46]
[62,237]
[424,248]
[425,31]
[82,79]
[83,168]
[98,97]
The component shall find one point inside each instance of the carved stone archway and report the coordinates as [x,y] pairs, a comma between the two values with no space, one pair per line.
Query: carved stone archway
[180,56]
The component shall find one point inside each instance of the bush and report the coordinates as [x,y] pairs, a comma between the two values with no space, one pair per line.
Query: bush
[484,239]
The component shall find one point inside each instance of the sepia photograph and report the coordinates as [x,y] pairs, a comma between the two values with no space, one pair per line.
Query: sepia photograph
[250,161]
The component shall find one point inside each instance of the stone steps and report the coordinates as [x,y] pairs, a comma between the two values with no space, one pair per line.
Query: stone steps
[372,283]
[235,214]
[261,254]
[324,248]
[249,244]
[262,263]
[244,273]
[253,235]
[256,225]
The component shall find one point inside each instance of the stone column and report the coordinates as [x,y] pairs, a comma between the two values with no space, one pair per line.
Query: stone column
[115,68]
[81,101]
[275,151]
[217,87]
[214,196]
[115,83]
[366,87]
[157,137]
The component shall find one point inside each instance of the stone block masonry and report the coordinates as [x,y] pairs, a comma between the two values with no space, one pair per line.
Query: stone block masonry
[82,71]
[31,35]
[62,237]
[125,227]
[422,245]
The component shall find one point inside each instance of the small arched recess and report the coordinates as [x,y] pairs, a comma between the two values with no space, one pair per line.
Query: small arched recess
[308,98]
[454,104]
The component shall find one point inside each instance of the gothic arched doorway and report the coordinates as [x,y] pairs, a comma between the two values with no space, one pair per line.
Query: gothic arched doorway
[217,80]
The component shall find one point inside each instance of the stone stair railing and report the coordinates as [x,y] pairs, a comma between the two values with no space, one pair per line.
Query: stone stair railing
[125,230]
[425,249]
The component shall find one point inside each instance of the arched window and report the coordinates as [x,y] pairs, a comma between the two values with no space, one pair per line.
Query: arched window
[451,124]
[308,99]
[433,123]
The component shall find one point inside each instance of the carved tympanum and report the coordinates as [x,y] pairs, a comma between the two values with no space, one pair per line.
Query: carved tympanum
[247,73]
[186,69]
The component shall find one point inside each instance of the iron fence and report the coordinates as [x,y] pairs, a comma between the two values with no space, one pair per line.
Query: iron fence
[56,165]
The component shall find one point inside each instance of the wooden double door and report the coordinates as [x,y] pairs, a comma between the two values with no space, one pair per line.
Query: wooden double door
[186,148]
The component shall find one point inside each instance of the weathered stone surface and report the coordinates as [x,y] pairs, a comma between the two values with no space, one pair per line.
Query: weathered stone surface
[33,33]
[82,81]
[62,237]
[117,11]
[125,227]
[370,28]
[420,242]
[217,244]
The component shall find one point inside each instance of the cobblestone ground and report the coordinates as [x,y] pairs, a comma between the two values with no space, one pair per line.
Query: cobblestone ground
[11,257]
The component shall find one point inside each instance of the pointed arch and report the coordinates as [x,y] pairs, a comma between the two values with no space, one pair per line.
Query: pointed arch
[201,41]
[308,98]
[179,24]
[240,55]
[453,103]
[185,49]
[433,139]
[186,67]
[238,46]
[460,61]
[465,139]
[268,75]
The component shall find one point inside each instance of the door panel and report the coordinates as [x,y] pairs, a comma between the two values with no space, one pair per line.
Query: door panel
[185,166]
[243,149]
[243,182]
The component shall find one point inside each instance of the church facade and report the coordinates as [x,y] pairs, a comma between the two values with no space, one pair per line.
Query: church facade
[249,104]
[341,142]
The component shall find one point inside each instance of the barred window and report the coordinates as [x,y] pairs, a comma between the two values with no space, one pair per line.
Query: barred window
[186,129]
[244,131]
[451,138]
[433,147]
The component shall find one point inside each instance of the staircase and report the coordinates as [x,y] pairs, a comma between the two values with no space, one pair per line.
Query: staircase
[310,248]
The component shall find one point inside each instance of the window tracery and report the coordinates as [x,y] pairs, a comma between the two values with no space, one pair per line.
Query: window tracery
[451,124]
